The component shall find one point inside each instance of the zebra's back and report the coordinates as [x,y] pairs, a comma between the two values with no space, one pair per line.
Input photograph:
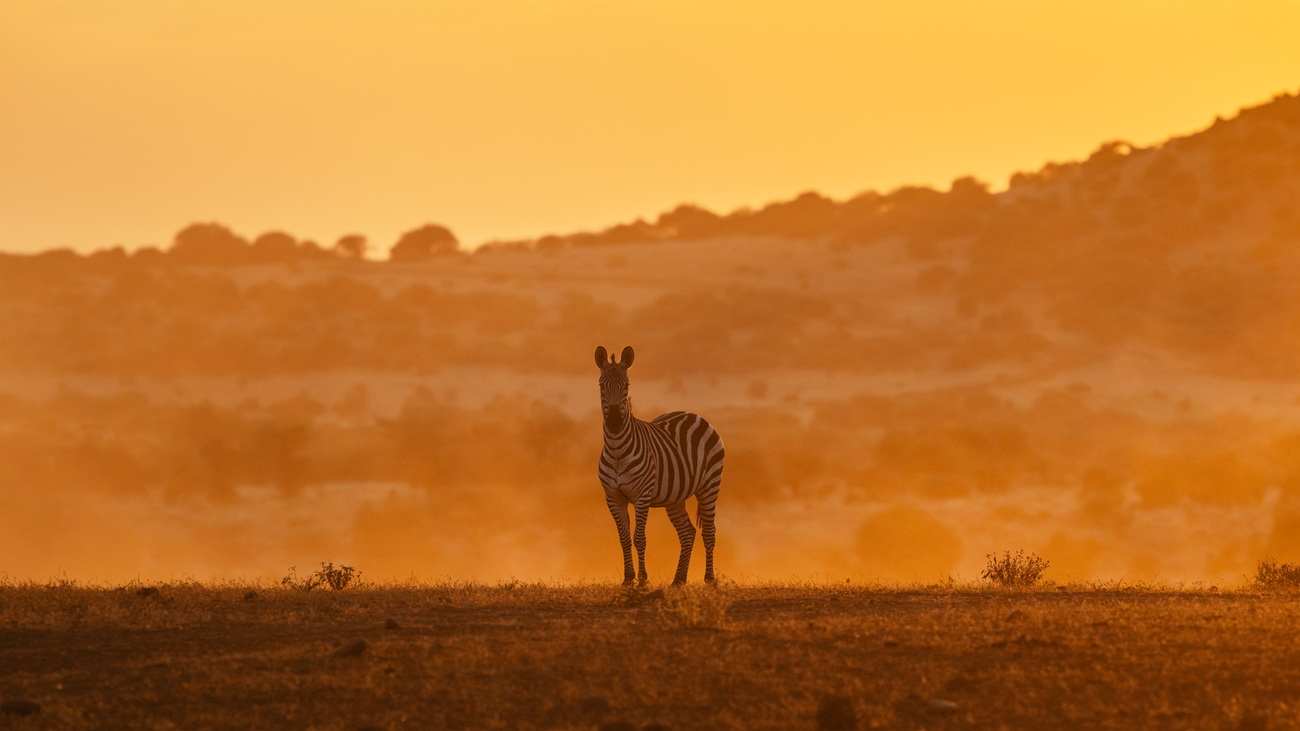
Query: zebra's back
[690,460]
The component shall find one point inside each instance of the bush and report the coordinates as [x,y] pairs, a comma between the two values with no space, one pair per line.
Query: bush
[1017,570]
[1272,574]
[336,578]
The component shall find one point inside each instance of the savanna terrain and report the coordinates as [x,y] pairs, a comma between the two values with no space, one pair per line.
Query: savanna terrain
[598,656]
[1098,364]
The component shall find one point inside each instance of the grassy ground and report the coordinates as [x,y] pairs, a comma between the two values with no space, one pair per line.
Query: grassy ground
[587,656]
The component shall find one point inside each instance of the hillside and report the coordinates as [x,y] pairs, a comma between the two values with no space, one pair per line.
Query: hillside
[1098,363]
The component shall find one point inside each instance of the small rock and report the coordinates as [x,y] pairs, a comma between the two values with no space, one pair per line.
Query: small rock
[618,726]
[147,591]
[1016,615]
[594,705]
[939,705]
[835,713]
[351,649]
[19,707]
[891,643]
[656,726]
[250,596]
[392,624]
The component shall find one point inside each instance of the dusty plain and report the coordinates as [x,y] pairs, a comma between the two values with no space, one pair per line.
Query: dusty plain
[591,656]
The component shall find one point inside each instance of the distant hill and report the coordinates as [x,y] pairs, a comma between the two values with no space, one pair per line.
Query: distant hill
[1237,171]
[1191,246]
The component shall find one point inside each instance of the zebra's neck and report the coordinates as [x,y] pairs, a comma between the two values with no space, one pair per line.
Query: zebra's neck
[620,444]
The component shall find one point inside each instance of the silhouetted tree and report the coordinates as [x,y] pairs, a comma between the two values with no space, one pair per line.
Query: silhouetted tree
[625,233]
[421,243]
[308,249]
[275,246]
[810,214]
[351,246]
[209,244]
[148,255]
[689,222]
[108,258]
[1108,156]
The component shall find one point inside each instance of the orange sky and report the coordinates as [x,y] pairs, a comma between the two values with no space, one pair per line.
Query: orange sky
[121,122]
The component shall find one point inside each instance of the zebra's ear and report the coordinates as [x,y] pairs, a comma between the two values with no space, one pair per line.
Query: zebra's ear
[626,359]
[602,357]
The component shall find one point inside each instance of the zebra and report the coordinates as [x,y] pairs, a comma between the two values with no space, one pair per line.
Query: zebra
[656,464]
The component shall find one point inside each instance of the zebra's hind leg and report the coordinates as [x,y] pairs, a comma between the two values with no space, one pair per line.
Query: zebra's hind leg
[642,512]
[707,507]
[686,535]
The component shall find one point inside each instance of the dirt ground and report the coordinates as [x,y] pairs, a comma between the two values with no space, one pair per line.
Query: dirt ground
[593,656]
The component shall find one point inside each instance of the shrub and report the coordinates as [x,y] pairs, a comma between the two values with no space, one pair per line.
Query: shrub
[1272,574]
[335,577]
[1017,570]
[306,583]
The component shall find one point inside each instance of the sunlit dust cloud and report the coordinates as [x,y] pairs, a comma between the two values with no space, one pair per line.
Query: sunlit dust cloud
[1097,365]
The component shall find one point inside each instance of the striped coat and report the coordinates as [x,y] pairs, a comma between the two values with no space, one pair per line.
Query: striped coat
[656,464]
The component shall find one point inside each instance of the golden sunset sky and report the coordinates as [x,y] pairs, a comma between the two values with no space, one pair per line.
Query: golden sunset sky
[123,121]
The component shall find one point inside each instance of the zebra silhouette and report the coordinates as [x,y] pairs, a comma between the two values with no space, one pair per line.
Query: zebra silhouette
[656,464]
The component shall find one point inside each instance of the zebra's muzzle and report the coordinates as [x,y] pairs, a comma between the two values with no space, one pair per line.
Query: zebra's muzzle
[614,419]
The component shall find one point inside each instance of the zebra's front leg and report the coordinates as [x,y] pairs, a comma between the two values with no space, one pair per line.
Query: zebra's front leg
[619,511]
[642,513]
[686,536]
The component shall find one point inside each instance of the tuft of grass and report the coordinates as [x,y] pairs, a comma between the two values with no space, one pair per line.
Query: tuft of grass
[697,606]
[1276,575]
[1015,571]
[634,595]
[336,578]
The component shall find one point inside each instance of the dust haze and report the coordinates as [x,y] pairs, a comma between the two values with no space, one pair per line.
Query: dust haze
[1100,364]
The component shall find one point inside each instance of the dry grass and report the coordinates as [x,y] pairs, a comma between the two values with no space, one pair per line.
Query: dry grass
[457,655]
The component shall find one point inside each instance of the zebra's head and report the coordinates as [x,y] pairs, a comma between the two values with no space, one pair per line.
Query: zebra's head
[615,404]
